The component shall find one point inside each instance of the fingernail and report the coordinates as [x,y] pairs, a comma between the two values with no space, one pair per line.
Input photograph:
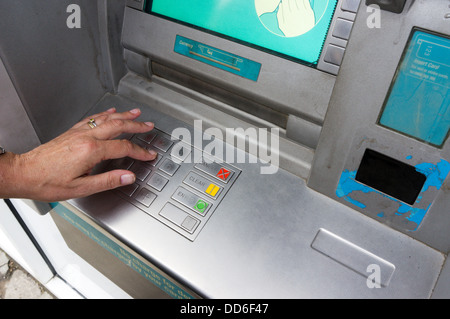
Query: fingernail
[135,111]
[111,110]
[152,152]
[150,124]
[127,179]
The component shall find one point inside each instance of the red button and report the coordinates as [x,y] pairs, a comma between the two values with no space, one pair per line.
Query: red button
[223,174]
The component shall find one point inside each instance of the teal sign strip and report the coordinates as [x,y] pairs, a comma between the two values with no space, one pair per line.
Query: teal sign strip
[218,58]
[122,254]
[419,102]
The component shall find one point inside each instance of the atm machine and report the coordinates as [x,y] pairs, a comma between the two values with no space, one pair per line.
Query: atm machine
[303,146]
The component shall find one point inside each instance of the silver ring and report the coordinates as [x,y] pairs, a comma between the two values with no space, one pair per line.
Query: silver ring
[91,123]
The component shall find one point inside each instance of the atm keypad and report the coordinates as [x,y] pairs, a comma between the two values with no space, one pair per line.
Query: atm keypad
[157,182]
[145,197]
[181,187]
[140,170]
[169,167]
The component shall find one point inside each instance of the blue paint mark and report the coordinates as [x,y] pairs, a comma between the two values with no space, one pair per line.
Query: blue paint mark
[415,214]
[436,175]
[347,185]
[409,157]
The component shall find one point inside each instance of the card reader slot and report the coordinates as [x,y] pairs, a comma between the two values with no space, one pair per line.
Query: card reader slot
[390,176]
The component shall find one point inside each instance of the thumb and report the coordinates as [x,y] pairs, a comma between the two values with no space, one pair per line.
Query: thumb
[106,181]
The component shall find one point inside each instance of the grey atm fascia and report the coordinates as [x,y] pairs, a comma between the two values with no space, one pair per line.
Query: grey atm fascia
[294,96]
[369,67]
[288,95]
[271,236]
[316,223]
[277,85]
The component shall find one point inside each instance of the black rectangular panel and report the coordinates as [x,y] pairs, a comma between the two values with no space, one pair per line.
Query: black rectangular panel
[390,176]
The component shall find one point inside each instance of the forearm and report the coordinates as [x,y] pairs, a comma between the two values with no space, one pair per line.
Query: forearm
[11,181]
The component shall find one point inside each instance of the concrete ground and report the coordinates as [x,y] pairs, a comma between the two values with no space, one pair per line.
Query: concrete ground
[16,283]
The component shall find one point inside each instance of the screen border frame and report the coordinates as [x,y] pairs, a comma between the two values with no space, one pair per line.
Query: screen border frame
[394,81]
[148,9]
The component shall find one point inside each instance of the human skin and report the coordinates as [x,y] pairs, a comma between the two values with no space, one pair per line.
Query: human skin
[60,169]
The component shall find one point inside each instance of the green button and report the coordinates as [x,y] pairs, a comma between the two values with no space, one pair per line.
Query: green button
[201,206]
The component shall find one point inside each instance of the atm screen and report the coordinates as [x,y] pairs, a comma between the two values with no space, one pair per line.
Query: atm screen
[293,28]
[419,101]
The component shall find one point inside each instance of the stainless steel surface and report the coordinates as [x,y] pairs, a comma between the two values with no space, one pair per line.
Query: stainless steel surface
[294,157]
[262,244]
[304,132]
[157,182]
[169,167]
[146,197]
[157,192]
[353,257]
[179,217]
[442,289]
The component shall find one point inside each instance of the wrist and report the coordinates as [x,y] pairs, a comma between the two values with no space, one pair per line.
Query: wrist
[10,179]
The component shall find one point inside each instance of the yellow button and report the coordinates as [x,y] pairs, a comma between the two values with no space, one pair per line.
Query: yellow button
[212,189]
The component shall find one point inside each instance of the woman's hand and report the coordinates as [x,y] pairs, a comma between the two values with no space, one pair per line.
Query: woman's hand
[59,169]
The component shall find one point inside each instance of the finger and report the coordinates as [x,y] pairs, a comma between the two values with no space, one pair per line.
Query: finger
[92,184]
[113,149]
[105,117]
[129,115]
[85,120]
[110,115]
[115,127]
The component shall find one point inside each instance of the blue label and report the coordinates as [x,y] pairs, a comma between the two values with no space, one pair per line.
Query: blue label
[218,58]
[419,102]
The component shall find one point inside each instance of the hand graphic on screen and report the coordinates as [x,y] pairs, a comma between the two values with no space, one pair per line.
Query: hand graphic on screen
[295,17]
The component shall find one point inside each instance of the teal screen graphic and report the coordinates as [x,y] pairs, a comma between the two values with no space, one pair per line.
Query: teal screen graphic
[419,101]
[294,28]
